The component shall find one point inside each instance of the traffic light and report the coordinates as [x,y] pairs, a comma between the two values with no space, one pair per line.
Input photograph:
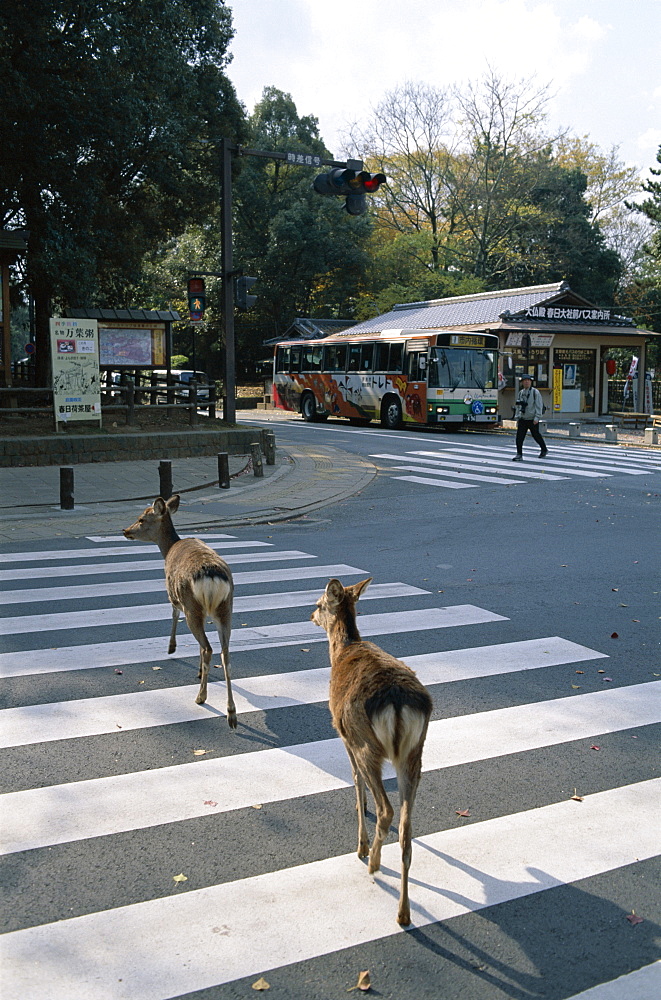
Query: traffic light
[197,299]
[241,297]
[350,184]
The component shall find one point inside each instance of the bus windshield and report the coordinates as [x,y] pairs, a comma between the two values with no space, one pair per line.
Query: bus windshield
[460,368]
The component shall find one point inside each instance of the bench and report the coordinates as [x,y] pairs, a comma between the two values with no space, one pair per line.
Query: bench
[630,419]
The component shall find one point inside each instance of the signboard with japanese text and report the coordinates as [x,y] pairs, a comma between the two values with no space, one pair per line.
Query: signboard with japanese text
[536,339]
[557,389]
[76,381]
[133,345]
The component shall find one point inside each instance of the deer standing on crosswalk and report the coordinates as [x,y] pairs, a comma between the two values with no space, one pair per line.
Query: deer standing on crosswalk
[198,582]
[381,711]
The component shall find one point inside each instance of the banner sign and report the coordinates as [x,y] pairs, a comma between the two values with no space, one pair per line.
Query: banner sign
[536,339]
[75,358]
[557,389]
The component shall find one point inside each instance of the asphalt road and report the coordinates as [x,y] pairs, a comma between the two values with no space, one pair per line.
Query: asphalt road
[152,853]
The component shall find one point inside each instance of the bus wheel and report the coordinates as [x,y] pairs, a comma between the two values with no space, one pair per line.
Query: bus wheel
[308,408]
[391,413]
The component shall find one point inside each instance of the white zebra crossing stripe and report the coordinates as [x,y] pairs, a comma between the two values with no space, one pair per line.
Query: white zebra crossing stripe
[58,555]
[163,611]
[437,482]
[121,587]
[582,462]
[58,814]
[642,984]
[74,571]
[138,710]
[471,464]
[221,933]
[112,539]
[538,465]
[116,654]
[456,475]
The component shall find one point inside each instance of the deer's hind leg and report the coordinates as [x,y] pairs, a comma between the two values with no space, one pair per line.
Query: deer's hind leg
[408,778]
[370,766]
[223,621]
[173,634]
[195,622]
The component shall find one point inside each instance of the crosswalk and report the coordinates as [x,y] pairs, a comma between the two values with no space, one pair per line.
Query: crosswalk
[469,466]
[152,854]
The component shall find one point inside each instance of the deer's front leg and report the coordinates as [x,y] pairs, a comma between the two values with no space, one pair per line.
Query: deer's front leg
[173,635]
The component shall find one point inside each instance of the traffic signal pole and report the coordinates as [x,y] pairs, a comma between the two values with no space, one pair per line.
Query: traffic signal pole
[226,267]
[226,264]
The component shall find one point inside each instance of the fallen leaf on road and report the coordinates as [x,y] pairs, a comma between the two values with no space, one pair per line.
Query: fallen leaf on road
[576,687]
[615,589]
[210,802]
[364,983]
[257,806]
[462,812]
[157,668]
[579,671]
[119,671]
[180,878]
[633,918]
[607,678]
[304,650]
[593,747]
[261,984]
[614,635]
[576,798]
[601,671]
[199,753]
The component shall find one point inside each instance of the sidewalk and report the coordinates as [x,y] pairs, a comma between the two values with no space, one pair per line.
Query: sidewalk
[109,495]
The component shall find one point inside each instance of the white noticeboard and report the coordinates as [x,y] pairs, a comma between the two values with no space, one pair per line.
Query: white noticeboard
[76,379]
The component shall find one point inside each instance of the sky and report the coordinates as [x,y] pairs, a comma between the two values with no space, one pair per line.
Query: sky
[600,58]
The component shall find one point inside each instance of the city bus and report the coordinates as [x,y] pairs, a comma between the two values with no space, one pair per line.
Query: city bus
[434,377]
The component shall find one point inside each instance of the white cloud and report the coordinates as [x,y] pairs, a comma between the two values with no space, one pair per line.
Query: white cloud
[650,140]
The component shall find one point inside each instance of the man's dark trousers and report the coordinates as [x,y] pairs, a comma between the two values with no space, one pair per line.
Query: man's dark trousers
[522,428]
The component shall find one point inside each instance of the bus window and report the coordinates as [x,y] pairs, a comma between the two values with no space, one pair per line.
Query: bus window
[311,361]
[335,357]
[282,359]
[416,366]
[295,359]
[396,355]
[366,357]
[381,352]
[355,351]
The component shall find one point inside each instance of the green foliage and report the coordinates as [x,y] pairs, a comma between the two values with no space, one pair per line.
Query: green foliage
[106,104]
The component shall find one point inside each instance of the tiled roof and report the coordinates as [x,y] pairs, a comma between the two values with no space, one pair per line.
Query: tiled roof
[462,310]
[136,315]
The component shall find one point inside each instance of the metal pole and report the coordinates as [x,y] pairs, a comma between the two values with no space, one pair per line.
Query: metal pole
[229,413]
[66,489]
[165,479]
[223,471]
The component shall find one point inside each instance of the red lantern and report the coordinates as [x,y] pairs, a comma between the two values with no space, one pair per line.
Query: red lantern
[611,366]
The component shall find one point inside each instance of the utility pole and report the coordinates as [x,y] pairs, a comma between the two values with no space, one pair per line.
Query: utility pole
[226,267]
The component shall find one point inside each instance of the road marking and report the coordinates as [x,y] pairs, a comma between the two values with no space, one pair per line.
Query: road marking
[531,463]
[472,464]
[204,937]
[642,984]
[436,482]
[139,710]
[111,539]
[582,464]
[115,654]
[121,587]
[73,572]
[456,475]
[103,617]
[57,814]
[52,555]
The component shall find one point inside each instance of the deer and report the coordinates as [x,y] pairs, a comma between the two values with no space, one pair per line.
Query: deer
[198,582]
[381,711]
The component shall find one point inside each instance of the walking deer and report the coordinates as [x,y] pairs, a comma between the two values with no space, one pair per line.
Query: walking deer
[381,711]
[198,582]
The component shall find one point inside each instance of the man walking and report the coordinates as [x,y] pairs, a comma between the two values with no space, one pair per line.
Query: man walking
[529,409]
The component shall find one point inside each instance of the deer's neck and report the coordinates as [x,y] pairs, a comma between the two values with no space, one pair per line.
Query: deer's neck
[344,633]
[167,537]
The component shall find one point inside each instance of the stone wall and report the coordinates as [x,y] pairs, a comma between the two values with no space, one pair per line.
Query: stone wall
[75,449]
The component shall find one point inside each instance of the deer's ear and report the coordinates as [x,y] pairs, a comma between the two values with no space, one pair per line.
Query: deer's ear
[356,589]
[159,506]
[173,503]
[334,592]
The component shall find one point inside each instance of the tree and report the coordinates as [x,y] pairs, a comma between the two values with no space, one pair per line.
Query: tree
[105,104]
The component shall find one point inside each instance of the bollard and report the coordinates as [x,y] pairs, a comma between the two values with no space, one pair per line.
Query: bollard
[165,479]
[256,455]
[192,400]
[651,435]
[66,489]
[574,430]
[542,427]
[611,432]
[223,471]
[269,447]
